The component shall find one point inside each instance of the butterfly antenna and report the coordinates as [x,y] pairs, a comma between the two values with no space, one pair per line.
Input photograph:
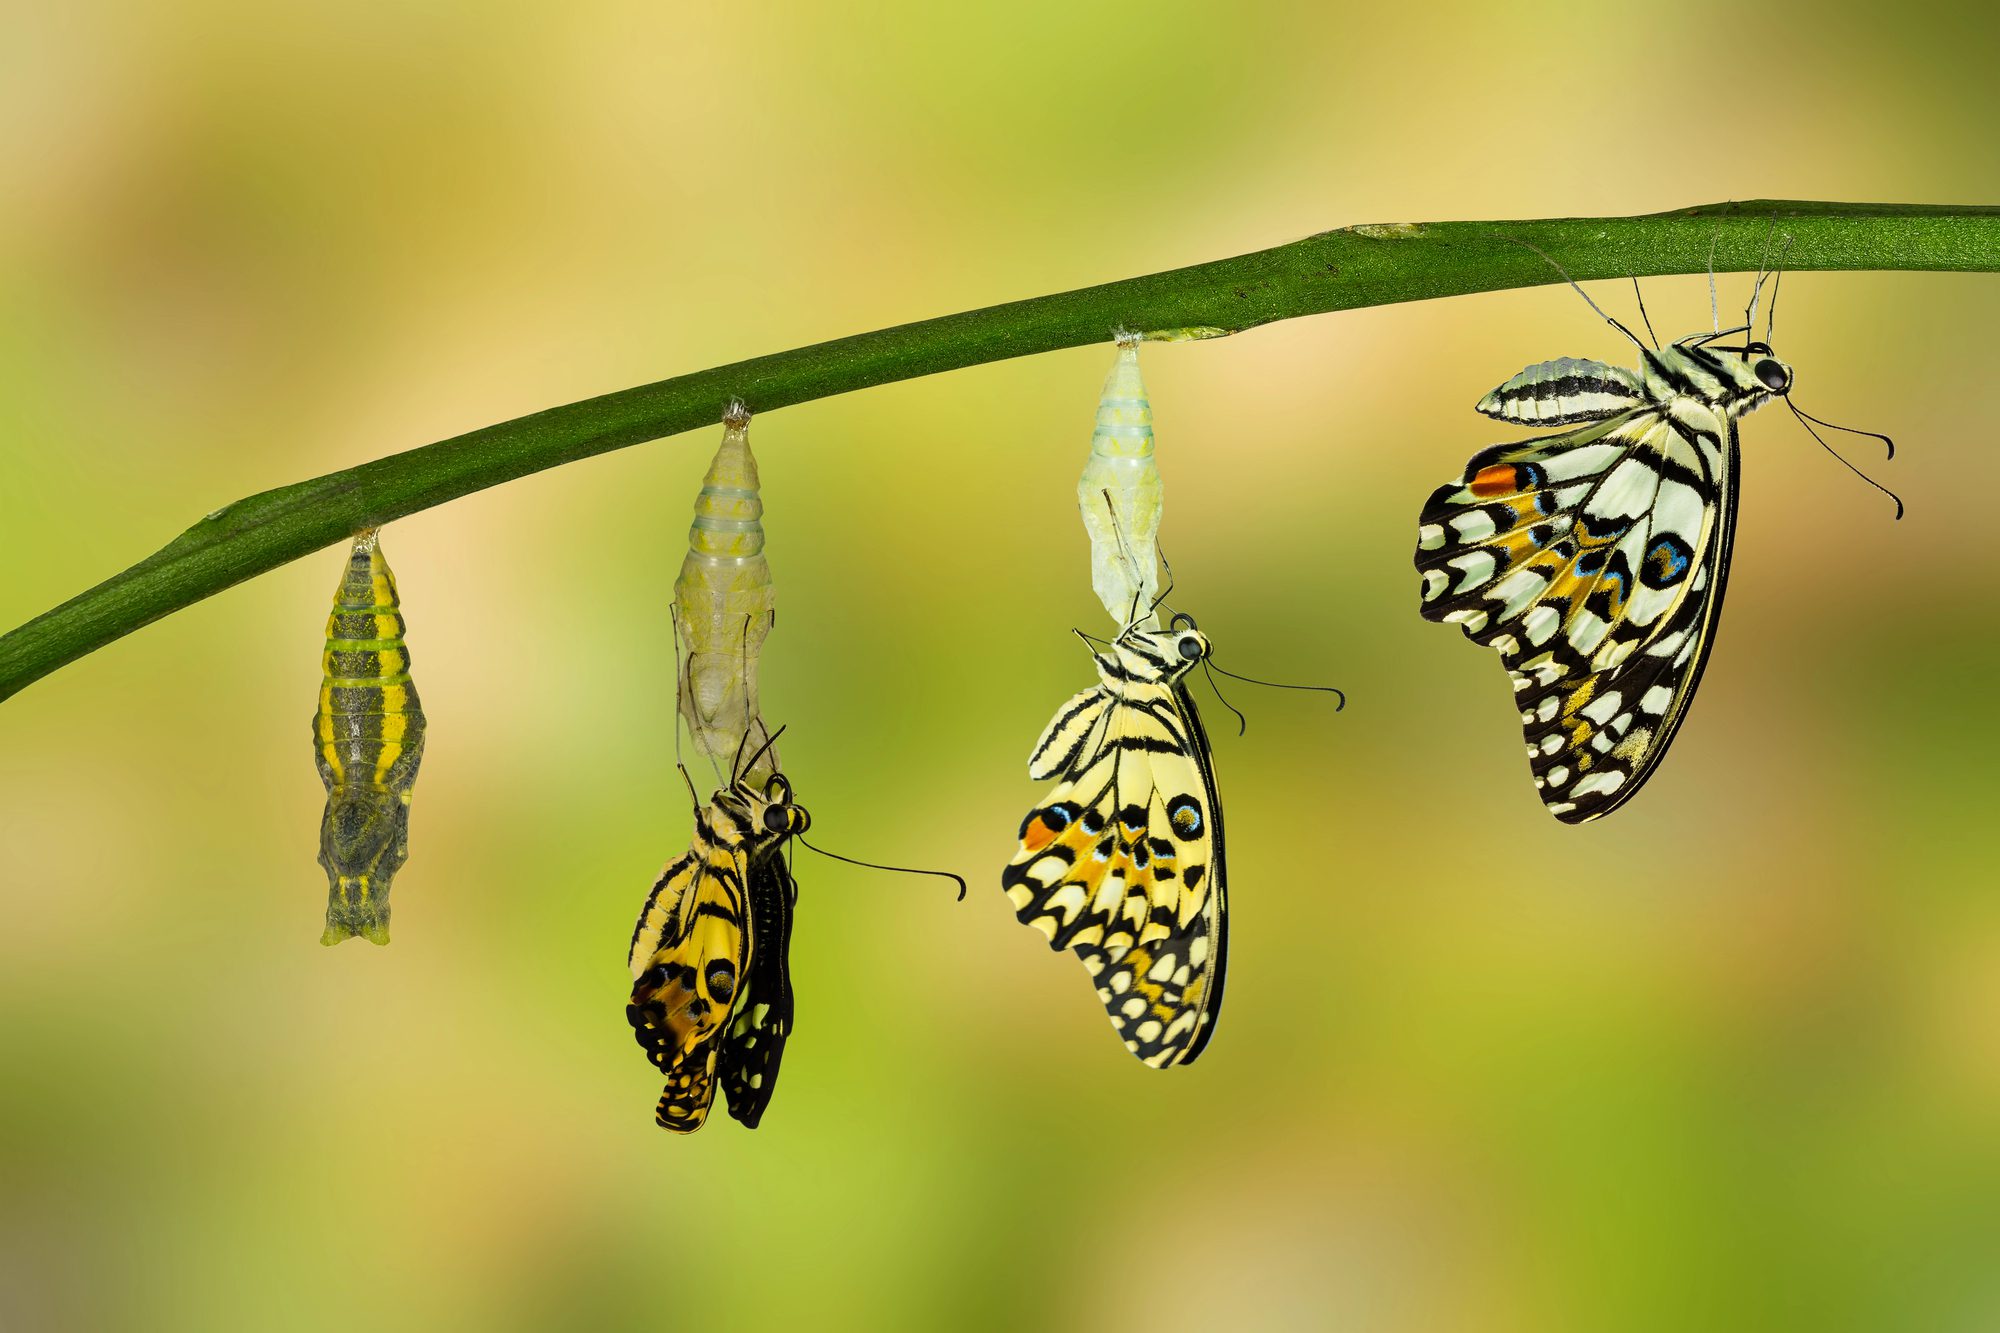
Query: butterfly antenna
[694,799]
[743,679]
[1167,565]
[1636,341]
[1871,434]
[1279,685]
[1757,288]
[1771,315]
[1641,296]
[1131,560]
[874,865]
[1242,722]
[742,768]
[736,768]
[751,722]
[1125,554]
[1714,310]
[1807,421]
[683,681]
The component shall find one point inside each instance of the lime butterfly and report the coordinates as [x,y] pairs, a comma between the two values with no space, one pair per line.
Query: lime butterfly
[1122,864]
[711,956]
[1594,560]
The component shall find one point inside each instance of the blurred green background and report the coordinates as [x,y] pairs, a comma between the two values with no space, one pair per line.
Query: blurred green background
[1726,1061]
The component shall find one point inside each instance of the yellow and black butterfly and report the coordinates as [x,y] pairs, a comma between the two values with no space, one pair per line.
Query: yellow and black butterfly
[712,991]
[1594,560]
[1123,864]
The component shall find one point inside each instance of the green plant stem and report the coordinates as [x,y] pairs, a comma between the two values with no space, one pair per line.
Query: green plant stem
[1336,270]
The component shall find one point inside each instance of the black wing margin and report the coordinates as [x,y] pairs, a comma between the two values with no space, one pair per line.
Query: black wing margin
[755,1040]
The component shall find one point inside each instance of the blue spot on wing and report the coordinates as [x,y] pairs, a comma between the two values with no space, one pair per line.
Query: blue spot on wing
[1666,563]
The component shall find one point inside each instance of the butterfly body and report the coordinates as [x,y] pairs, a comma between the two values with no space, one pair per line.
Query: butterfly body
[1594,560]
[368,736]
[710,957]
[1122,864]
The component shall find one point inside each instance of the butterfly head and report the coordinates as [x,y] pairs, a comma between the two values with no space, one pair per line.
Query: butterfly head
[1755,374]
[781,817]
[761,817]
[1159,656]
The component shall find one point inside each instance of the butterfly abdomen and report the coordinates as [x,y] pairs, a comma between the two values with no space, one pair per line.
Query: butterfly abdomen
[1566,390]
[369,742]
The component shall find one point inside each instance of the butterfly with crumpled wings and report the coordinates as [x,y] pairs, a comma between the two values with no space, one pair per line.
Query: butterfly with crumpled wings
[712,992]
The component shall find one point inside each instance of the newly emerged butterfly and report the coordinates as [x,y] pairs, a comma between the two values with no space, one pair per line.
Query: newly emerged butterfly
[1122,864]
[712,993]
[368,738]
[724,607]
[1594,560]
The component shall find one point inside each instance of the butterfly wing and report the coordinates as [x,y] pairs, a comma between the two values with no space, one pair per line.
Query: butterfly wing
[689,954]
[1075,726]
[755,1041]
[1593,561]
[1122,865]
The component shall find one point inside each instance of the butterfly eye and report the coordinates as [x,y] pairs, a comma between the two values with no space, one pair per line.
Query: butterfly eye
[1190,647]
[1773,375]
[776,820]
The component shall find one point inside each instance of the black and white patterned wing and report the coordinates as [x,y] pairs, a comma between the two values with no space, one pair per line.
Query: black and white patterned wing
[755,1040]
[1122,865]
[1593,562]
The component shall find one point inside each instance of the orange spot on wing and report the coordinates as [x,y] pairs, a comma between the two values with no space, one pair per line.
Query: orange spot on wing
[1495,480]
[1037,835]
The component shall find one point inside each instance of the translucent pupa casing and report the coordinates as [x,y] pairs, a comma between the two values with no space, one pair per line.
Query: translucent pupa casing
[1120,495]
[723,608]
[368,740]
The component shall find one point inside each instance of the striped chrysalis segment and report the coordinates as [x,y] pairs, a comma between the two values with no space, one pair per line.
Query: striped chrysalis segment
[723,608]
[368,740]
[1120,494]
